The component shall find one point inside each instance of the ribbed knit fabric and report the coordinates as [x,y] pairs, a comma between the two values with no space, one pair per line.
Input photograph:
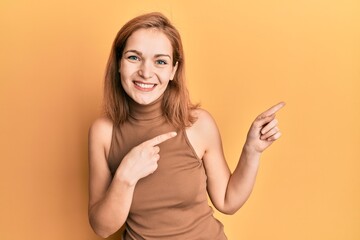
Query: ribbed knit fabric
[172,202]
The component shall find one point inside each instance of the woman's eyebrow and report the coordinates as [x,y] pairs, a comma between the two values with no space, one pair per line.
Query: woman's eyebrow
[140,53]
[134,51]
[162,55]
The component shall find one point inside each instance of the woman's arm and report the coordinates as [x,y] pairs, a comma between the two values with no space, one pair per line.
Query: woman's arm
[110,198]
[227,191]
[263,132]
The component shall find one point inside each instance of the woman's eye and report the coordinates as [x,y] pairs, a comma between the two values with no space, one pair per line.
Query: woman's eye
[134,58]
[161,62]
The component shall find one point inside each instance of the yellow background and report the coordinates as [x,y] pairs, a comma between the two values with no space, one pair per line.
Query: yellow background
[241,58]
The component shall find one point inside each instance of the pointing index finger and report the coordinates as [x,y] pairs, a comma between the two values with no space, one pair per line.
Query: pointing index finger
[273,109]
[161,138]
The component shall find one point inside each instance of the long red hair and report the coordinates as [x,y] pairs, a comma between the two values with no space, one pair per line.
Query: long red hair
[176,105]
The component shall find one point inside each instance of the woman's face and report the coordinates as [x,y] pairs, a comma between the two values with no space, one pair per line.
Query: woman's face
[146,65]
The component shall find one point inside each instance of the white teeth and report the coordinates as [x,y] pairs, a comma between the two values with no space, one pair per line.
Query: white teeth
[144,85]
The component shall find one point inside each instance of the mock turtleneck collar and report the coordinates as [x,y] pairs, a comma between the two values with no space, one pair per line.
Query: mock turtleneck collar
[145,112]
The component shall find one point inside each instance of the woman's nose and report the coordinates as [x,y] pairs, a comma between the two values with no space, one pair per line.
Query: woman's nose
[146,70]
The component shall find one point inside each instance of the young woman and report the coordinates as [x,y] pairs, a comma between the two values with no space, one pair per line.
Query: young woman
[155,156]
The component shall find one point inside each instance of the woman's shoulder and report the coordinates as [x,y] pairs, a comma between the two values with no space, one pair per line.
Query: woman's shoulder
[204,125]
[102,123]
[202,131]
[203,118]
[101,128]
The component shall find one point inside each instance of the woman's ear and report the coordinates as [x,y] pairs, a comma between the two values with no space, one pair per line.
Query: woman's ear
[174,71]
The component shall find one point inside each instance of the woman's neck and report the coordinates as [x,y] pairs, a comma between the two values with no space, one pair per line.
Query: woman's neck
[146,112]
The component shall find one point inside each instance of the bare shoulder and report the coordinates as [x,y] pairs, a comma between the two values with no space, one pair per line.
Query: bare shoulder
[100,132]
[101,126]
[204,120]
[202,131]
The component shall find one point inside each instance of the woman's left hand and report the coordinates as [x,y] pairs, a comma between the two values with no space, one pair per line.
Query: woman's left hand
[264,130]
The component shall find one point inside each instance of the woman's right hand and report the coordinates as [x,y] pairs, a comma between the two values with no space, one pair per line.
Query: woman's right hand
[142,160]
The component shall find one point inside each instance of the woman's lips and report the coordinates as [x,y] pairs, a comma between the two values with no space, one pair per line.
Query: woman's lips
[144,86]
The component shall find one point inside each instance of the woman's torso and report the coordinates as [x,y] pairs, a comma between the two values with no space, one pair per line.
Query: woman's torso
[172,202]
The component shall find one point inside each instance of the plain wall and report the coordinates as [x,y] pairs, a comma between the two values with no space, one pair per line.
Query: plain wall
[241,58]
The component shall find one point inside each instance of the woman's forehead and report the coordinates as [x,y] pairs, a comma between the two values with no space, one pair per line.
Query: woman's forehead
[149,40]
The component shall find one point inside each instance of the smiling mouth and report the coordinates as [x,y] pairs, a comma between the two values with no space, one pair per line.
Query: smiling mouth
[144,86]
